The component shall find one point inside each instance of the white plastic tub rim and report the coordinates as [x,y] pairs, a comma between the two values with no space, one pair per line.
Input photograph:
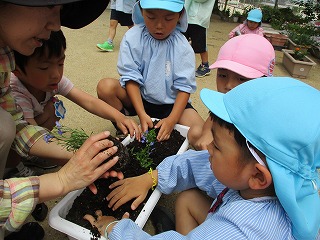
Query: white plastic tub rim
[75,232]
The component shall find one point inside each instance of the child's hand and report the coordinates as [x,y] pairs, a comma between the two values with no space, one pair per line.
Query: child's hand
[204,141]
[103,221]
[129,188]
[145,122]
[125,124]
[166,126]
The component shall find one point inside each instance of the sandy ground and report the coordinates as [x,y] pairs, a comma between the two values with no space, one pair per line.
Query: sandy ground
[85,65]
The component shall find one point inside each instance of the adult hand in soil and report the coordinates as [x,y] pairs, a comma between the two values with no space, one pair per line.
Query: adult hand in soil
[125,124]
[129,188]
[166,126]
[103,221]
[82,169]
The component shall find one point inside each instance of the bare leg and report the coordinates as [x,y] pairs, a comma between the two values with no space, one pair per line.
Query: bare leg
[204,57]
[188,214]
[112,29]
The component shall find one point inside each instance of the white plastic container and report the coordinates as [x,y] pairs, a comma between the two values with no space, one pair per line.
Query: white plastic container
[58,213]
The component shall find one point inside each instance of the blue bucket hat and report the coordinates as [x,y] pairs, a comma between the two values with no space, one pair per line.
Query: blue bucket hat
[255,15]
[170,5]
[280,118]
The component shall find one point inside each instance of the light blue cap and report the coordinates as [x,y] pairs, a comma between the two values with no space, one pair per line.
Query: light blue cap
[137,17]
[170,5]
[255,15]
[280,116]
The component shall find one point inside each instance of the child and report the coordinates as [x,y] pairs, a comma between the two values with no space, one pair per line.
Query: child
[199,13]
[240,59]
[37,80]
[252,25]
[156,64]
[24,25]
[121,12]
[264,177]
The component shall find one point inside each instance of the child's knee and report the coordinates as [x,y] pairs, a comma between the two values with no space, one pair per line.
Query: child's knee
[106,87]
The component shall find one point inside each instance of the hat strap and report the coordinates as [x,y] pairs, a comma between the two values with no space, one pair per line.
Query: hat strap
[255,155]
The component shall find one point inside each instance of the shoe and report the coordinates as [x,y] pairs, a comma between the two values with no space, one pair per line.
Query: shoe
[202,71]
[21,171]
[162,219]
[30,230]
[38,162]
[40,212]
[106,46]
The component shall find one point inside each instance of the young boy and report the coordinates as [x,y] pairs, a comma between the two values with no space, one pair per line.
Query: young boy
[156,64]
[239,60]
[264,179]
[37,80]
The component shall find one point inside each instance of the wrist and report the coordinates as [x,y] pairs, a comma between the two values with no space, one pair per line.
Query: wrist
[109,228]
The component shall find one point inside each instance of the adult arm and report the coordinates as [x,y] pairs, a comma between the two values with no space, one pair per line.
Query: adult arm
[19,195]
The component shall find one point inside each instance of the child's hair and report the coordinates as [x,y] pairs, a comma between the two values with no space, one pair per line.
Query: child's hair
[53,47]
[255,15]
[248,55]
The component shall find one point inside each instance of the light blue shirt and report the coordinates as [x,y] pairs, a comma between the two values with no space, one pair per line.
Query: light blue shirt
[237,218]
[125,6]
[160,67]
[199,11]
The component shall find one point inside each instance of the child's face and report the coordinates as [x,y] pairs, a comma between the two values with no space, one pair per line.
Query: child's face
[227,80]
[226,158]
[252,25]
[23,28]
[160,23]
[43,74]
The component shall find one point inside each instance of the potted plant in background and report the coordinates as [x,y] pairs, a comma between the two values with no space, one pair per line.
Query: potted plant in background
[296,62]
[235,16]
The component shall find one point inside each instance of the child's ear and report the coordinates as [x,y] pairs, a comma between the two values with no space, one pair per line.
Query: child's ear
[261,178]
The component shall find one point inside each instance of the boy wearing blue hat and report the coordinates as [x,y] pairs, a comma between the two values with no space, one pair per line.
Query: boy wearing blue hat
[156,65]
[264,180]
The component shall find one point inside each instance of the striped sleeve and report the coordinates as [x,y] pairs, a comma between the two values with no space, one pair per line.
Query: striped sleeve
[18,197]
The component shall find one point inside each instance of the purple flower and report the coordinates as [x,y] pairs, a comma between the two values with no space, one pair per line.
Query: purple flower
[58,125]
[60,132]
[47,137]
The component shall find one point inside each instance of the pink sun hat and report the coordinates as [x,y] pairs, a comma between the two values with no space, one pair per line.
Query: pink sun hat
[248,55]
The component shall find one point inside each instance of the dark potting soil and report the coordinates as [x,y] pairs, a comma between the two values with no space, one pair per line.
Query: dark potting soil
[88,203]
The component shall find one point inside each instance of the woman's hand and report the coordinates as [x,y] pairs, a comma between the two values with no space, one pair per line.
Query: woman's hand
[129,188]
[86,165]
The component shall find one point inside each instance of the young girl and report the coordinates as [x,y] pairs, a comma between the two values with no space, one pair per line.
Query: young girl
[260,168]
[24,25]
[37,80]
[156,64]
[240,59]
[251,25]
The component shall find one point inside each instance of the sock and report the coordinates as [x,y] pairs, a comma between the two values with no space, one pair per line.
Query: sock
[206,64]
[110,41]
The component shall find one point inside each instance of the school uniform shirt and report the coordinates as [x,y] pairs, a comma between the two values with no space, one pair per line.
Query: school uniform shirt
[236,218]
[26,135]
[243,28]
[122,5]
[30,106]
[160,67]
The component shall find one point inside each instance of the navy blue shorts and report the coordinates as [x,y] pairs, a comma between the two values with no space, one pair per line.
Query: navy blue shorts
[125,19]
[154,110]
[198,37]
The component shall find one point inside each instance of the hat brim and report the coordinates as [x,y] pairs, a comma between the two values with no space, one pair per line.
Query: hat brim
[165,5]
[79,14]
[238,68]
[75,13]
[253,19]
[213,100]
